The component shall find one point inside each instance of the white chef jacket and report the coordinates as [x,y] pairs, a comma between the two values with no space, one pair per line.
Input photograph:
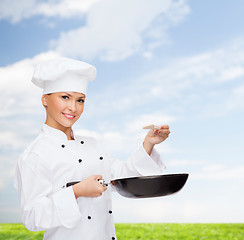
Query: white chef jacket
[50,162]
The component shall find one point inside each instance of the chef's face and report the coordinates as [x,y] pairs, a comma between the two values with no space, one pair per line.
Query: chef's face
[63,108]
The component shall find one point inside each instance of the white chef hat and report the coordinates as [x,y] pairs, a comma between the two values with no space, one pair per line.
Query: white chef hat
[63,74]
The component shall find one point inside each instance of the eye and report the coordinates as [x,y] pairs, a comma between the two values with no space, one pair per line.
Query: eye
[81,100]
[65,97]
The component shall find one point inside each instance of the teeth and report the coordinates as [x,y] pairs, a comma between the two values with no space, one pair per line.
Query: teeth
[69,116]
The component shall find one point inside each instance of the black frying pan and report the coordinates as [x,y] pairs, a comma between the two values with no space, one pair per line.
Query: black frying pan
[148,186]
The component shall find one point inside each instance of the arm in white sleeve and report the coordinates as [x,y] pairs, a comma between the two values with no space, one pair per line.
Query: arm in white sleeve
[139,164]
[40,208]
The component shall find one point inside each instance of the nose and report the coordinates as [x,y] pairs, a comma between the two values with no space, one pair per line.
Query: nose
[72,106]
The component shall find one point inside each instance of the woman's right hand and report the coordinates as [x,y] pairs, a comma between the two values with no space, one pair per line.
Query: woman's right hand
[89,187]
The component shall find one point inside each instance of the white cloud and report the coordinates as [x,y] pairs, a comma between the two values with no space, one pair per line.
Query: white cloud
[64,8]
[177,208]
[184,162]
[156,118]
[7,166]
[213,172]
[147,210]
[17,10]
[210,82]
[10,140]
[205,86]
[127,27]
[232,73]
[17,91]
[16,77]
[207,170]
[191,72]
[236,99]
[122,141]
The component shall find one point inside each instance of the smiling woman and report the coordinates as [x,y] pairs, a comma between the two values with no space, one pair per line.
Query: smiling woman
[58,156]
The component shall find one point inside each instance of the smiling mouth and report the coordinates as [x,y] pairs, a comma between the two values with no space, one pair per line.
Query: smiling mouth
[69,116]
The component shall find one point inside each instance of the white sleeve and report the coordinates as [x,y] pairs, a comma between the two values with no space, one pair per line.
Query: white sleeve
[40,209]
[139,164]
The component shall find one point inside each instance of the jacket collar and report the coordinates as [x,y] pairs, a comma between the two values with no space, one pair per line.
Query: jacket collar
[55,133]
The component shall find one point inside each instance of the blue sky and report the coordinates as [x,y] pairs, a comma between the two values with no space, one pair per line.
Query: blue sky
[176,62]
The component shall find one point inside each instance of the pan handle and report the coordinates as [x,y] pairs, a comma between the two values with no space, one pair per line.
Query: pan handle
[101,181]
[71,183]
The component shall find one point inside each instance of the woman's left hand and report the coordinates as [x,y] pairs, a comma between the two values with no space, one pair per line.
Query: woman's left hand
[155,136]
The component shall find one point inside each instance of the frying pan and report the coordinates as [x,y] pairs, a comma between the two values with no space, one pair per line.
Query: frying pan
[148,186]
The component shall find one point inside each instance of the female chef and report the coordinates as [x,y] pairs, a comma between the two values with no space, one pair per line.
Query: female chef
[58,156]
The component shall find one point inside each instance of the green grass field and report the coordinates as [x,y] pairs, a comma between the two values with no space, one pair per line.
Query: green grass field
[146,232]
